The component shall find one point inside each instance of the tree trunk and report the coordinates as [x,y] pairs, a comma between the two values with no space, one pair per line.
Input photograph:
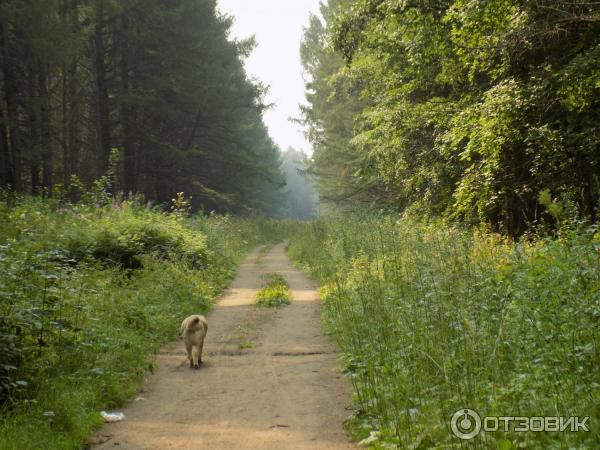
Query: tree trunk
[73,129]
[34,170]
[14,161]
[193,131]
[34,134]
[70,102]
[4,175]
[127,115]
[64,133]
[46,144]
[101,89]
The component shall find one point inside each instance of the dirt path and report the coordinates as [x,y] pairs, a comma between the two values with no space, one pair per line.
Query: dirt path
[269,378]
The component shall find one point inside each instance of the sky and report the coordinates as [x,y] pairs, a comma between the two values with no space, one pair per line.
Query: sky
[277,26]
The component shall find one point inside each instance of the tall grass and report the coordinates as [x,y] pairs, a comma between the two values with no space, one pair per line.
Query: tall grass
[433,319]
[87,295]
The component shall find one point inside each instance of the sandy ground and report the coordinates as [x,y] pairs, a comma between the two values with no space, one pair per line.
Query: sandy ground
[270,379]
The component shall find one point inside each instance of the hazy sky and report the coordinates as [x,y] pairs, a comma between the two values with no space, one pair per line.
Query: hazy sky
[277,26]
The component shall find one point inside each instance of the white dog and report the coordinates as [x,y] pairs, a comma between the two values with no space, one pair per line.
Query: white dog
[193,331]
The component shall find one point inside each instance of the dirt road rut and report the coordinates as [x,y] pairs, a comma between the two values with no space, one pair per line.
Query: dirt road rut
[270,379]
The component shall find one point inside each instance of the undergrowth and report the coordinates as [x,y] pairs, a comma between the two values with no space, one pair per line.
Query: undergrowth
[87,295]
[275,292]
[434,318]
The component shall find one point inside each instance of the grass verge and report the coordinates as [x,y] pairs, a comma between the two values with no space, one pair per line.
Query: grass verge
[433,319]
[88,294]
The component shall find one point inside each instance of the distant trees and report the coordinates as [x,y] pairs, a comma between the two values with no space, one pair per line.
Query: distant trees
[152,91]
[340,169]
[301,197]
[474,110]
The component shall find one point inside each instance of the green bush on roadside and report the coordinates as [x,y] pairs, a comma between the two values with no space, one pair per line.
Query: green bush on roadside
[275,293]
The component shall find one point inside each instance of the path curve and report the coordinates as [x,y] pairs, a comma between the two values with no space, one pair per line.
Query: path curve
[270,379]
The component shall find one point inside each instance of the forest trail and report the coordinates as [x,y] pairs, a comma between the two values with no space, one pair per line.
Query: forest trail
[270,379]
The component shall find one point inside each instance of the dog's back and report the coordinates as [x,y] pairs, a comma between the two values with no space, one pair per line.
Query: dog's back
[194,324]
[193,332]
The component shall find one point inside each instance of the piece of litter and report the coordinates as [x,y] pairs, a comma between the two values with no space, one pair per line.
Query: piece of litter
[112,417]
[373,437]
[140,399]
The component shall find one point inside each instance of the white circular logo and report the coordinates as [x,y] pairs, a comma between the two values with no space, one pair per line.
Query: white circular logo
[465,424]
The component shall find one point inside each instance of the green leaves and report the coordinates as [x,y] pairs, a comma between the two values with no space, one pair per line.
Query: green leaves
[468,109]
[580,80]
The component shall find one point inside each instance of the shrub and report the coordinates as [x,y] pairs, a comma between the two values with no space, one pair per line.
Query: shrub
[128,232]
[275,293]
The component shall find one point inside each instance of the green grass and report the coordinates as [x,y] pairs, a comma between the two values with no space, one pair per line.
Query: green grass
[435,318]
[275,293]
[430,318]
[88,294]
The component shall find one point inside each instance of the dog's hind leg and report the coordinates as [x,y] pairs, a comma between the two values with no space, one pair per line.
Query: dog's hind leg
[195,354]
[189,349]
[200,352]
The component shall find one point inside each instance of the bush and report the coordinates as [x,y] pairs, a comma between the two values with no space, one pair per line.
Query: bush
[275,293]
[129,232]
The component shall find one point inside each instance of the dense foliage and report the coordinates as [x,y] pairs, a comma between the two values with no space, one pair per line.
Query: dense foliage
[464,108]
[151,92]
[87,295]
[433,319]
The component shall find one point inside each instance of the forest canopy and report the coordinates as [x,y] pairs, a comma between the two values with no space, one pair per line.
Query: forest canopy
[141,96]
[481,111]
